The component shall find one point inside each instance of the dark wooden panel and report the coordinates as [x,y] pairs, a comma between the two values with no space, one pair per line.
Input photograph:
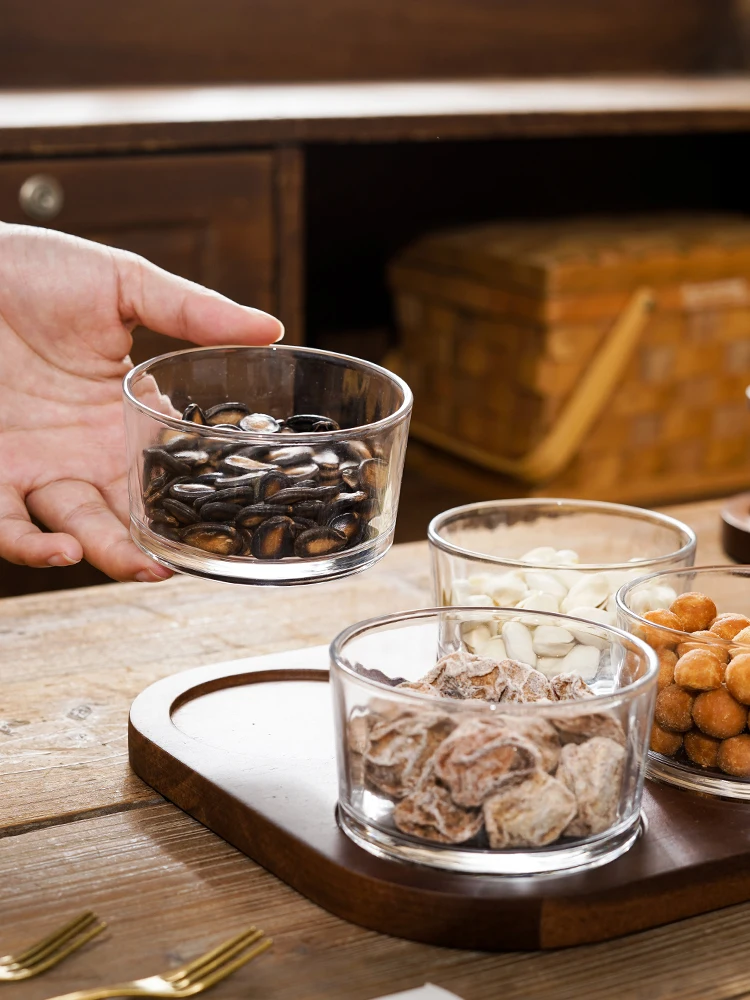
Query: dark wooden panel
[208,218]
[45,42]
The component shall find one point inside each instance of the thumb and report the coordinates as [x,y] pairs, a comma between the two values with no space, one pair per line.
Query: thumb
[179,308]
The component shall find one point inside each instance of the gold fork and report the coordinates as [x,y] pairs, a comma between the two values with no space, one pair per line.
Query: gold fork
[50,950]
[195,977]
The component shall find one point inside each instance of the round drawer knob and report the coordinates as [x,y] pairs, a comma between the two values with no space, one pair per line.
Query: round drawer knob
[41,197]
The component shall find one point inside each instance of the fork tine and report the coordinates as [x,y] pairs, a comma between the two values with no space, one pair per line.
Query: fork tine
[202,966]
[227,970]
[63,933]
[51,960]
[209,956]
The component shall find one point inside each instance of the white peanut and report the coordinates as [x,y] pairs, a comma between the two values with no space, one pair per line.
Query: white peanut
[552,640]
[507,590]
[597,615]
[537,601]
[544,555]
[475,636]
[493,648]
[548,583]
[518,644]
[590,591]
[583,660]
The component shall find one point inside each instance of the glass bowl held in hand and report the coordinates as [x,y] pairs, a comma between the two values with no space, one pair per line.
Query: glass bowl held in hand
[264,465]
[449,759]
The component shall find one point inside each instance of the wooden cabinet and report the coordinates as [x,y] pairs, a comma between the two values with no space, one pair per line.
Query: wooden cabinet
[210,218]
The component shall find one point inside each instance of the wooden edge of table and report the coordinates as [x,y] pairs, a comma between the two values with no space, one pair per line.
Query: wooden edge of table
[170,118]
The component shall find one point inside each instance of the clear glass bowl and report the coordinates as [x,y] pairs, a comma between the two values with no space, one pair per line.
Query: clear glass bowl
[567,556]
[311,505]
[539,787]
[729,589]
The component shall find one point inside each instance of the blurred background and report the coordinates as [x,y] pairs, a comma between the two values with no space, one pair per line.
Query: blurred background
[488,259]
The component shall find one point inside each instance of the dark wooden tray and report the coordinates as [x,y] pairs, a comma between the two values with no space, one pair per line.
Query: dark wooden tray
[247,748]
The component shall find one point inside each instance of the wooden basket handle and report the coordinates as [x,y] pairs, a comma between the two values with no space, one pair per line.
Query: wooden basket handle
[580,412]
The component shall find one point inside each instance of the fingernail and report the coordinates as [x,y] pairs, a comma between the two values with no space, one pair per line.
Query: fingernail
[61,559]
[153,575]
[282,331]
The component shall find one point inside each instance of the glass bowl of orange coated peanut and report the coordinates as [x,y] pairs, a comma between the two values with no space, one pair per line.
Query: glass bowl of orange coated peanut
[698,623]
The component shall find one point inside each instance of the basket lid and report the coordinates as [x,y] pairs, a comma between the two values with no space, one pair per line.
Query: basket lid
[584,256]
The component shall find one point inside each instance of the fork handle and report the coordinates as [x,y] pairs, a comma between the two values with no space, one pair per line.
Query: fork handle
[104,993]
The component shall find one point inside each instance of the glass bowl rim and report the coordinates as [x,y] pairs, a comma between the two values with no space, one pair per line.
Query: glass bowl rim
[639,513]
[520,708]
[263,437]
[623,608]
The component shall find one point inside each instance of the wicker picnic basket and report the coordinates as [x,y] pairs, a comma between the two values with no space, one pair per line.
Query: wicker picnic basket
[587,357]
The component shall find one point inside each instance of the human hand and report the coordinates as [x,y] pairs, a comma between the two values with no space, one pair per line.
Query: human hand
[67,309]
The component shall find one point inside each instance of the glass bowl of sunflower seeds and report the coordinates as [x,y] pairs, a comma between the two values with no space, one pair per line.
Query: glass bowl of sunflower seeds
[264,465]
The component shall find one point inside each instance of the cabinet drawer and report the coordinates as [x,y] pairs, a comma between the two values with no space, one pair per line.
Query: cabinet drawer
[209,218]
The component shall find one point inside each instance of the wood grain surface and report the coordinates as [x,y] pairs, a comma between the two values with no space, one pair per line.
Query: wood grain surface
[112,119]
[160,41]
[77,829]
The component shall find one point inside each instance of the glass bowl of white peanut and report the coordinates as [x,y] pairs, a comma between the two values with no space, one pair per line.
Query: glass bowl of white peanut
[566,557]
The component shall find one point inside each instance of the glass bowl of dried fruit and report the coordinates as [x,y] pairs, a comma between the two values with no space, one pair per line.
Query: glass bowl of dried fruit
[566,556]
[698,623]
[487,765]
[264,465]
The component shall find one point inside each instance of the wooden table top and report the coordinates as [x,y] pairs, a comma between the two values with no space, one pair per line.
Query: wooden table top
[112,119]
[78,830]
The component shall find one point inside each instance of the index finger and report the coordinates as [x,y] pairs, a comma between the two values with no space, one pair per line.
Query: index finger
[180,308]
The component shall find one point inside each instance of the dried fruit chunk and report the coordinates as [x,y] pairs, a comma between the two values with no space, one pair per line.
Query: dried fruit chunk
[479,757]
[576,728]
[532,813]
[524,683]
[466,675]
[400,749]
[570,687]
[541,733]
[593,772]
[430,813]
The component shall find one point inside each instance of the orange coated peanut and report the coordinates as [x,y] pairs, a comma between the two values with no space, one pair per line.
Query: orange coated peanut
[701,749]
[699,669]
[738,678]
[667,663]
[664,741]
[655,637]
[674,708]
[700,640]
[734,756]
[695,611]
[728,626]
[743,637]
[716,713]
